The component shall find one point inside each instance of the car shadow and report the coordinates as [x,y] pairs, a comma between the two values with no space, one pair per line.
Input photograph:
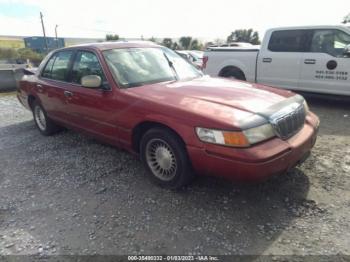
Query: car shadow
[79,193]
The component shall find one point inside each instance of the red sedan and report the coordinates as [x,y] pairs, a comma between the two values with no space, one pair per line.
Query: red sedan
[145,98]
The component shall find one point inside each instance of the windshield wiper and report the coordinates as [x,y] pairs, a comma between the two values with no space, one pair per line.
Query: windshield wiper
[171,65]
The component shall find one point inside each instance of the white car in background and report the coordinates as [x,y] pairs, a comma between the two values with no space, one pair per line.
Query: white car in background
[310,58]
[193,56]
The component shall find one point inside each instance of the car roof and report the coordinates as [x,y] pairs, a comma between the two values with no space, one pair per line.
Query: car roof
[114,45]
[310,27]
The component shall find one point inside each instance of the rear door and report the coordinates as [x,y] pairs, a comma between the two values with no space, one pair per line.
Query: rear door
[93,108]
[52,82]
[279,61]
[325,68]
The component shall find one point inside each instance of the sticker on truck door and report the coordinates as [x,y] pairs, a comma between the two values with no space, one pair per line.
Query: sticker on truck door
[331,75]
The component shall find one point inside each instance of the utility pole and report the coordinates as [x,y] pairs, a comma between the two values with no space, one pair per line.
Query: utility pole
[56,36]
[42,24]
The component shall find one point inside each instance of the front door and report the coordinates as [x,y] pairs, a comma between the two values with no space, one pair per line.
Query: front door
[325,67]
[93,108]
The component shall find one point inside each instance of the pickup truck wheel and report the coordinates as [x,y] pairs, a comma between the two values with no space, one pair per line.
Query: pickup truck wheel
[234,73]
[45,125]
[165,158]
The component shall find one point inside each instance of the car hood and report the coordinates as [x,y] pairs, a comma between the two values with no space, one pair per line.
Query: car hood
[224,99]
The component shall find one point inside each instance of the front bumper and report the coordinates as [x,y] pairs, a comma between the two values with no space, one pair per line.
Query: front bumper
[258,162]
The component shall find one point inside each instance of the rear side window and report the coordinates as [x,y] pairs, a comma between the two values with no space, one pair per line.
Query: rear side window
[57,67]
[86,63]
[329,41]
[290,41]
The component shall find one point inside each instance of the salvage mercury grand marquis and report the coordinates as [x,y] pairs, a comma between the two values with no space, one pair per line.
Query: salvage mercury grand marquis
[146,99]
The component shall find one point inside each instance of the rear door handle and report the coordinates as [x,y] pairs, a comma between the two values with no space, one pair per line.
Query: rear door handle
[68,94]
[310,61]
[267,60]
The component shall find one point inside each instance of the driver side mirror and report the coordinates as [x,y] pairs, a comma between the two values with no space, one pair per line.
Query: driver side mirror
[91,81]
[346,51]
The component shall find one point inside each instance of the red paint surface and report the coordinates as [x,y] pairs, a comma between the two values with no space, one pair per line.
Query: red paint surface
[206,102]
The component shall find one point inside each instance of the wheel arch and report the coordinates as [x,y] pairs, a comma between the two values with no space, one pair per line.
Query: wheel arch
[231,67]
[141,128]
[234,63]
[31,98]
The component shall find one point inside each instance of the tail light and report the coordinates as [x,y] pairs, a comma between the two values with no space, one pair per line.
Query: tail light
[204,62]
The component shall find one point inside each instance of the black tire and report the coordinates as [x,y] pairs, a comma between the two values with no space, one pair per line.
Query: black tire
[44,124]
[233,73]
[183,173]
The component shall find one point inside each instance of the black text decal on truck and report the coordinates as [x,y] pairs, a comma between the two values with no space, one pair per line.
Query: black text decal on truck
[331,75]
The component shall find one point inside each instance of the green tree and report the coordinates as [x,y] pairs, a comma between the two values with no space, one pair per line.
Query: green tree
[244,35]
[22,54]
[196,45]
[8,53]
[152,39]
[112,37]
[175,46]
[346,19]
[167,42]
[185,42]
[27,53]
[188,43]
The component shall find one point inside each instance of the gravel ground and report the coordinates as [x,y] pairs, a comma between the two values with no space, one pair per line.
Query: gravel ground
[69,194]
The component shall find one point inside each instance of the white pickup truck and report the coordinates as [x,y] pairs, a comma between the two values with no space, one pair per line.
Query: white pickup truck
[313,59]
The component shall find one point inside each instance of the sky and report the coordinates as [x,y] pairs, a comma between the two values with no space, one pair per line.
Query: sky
[163,18]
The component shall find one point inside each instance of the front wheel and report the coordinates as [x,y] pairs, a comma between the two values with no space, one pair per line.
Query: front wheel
[45,125]
[165,157]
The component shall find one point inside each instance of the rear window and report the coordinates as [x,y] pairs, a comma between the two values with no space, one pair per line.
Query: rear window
[58,66]
[290,41]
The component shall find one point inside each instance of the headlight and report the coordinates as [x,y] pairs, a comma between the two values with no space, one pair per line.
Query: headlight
[306,106]
[259,133]
[235,138]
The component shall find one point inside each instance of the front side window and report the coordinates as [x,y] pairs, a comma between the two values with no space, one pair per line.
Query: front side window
[139,66]
[60,67]
[329,41]
[86,63]
[289,41]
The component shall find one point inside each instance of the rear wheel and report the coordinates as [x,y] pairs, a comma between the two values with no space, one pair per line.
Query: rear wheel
[233,72]
[164,156]
[45,125]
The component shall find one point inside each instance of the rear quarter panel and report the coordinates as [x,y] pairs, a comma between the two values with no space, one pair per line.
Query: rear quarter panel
[244,60]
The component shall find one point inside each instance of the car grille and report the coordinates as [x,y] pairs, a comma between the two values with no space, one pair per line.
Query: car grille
[290,123]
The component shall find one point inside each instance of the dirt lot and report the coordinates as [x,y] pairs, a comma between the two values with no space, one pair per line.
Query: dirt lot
[69,194]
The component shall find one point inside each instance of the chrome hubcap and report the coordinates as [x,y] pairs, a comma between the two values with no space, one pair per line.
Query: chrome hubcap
[39,117]
[161,159]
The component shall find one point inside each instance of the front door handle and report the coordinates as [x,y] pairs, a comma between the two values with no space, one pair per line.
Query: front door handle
[267,60]
[68,94]
[309,61]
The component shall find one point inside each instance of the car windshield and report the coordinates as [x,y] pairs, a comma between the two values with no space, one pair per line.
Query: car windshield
[133,67]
